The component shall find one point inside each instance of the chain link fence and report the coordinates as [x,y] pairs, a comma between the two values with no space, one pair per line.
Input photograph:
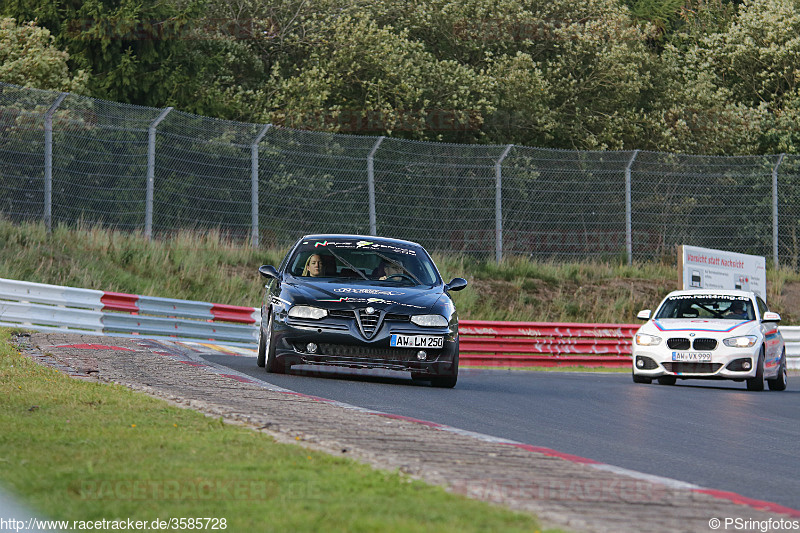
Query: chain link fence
[66,158]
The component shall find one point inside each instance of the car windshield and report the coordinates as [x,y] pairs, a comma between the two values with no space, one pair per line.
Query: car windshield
[373,261]
[707,306]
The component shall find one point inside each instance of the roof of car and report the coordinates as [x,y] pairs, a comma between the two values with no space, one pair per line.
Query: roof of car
[722,292]
[323,236]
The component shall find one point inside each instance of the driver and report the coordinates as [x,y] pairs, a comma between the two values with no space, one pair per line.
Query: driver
[737,310]
[387,269]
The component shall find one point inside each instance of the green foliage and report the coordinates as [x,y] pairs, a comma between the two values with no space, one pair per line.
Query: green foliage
[664,75]
[29,57]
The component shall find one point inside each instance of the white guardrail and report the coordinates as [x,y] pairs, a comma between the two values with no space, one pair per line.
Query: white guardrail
[43,307]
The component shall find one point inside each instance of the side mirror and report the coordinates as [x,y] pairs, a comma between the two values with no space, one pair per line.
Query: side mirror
[644,314]
[769,316]
[268,271]
[456,284]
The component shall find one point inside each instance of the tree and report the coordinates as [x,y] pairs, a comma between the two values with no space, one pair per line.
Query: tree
[29,57]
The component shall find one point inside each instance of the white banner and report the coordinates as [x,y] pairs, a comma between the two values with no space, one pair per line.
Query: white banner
[704,268]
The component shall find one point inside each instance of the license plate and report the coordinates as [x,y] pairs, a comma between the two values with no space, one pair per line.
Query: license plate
[691,356]
[416,341]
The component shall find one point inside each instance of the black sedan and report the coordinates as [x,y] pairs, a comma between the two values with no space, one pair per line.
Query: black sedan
[361,302]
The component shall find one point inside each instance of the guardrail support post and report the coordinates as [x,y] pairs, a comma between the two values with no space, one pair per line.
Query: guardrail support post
[254,184]
[775,210]
[373,218]
[151,172]
[629,209]
[48,162]
[498,205]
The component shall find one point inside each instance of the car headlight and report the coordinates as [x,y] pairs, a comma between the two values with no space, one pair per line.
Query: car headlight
[430,321]
[741,342]
[306,311]
[643,339]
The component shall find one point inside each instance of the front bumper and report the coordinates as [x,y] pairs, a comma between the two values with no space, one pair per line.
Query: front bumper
[341,342]
[727,363]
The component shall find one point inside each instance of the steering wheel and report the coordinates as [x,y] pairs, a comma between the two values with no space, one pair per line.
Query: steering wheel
[400,276]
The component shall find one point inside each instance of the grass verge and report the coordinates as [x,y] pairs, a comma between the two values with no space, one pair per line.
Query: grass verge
[207,266]
[75,450]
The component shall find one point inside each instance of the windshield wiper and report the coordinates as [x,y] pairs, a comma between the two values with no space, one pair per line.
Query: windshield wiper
[346,263]
[398,265]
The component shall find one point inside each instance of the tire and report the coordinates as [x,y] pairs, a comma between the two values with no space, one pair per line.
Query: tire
[782,379]
[641,379]
[667,380]
[449,379]
[262,348]
[272,365]
[757,383]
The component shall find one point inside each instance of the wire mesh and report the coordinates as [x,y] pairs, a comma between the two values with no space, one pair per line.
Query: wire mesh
[470,199]
[715,202]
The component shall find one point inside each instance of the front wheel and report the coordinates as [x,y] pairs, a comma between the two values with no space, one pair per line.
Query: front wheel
[641,379]
[781,380]
[272,364]
[757,383]
[262,348]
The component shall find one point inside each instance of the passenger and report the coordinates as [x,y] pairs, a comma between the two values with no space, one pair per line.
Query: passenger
[314,266]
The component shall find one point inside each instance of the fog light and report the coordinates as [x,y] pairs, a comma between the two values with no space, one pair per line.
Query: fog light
[311,347]
[639,363]
[746,365]
[422,355]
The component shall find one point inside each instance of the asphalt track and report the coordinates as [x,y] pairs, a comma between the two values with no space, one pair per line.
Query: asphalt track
[713,434]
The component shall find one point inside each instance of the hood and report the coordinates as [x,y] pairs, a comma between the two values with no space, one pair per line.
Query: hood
[673,326]
[341,294]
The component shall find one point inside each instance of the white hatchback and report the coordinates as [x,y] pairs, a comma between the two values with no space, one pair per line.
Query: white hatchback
[710,334]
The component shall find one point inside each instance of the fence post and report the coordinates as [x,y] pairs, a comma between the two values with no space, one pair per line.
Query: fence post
[498,205]
[775,210]
[629,209]
[48,162]
[254,184]
[373,219]
[151,172]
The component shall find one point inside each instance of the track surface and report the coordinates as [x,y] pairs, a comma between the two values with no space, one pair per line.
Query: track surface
[713,434]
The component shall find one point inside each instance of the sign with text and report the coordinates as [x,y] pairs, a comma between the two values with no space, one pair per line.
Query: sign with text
[704,268]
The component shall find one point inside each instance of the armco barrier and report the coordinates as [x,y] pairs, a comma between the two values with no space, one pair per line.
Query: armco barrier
[55,308]
[45,307]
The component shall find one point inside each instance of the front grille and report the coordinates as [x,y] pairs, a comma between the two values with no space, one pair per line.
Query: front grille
[344,350]
[678,343]
[397,318]
[692,368]
[340,314]
[704,344]
[369,323]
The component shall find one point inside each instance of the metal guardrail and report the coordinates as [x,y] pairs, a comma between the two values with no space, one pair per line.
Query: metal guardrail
[45,307]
